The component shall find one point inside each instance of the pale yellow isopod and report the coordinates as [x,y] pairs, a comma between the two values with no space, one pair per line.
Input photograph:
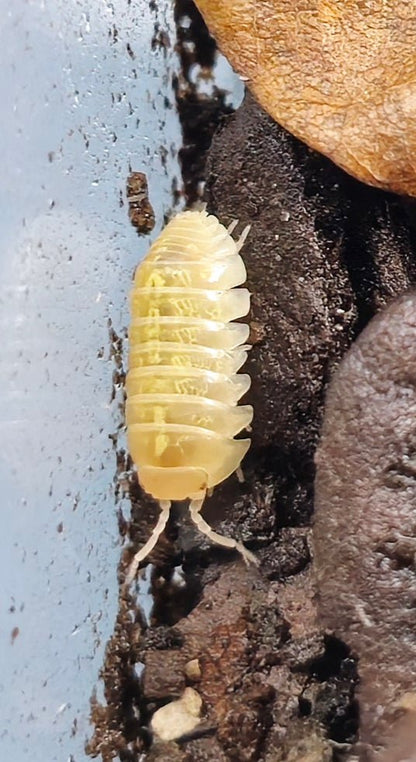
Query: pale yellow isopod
[182,385]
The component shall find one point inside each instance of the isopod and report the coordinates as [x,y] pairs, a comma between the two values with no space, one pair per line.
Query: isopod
[184,353]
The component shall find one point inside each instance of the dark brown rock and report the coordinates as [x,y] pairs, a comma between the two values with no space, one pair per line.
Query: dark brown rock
[365,524]
[215,632]
[164,675]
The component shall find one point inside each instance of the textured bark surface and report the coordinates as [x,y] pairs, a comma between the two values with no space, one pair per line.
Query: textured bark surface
[339,75]
[365,517]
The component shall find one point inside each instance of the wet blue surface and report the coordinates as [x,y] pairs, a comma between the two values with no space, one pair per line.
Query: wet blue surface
[78,107]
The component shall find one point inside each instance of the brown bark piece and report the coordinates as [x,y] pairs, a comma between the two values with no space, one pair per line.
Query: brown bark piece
[365,523]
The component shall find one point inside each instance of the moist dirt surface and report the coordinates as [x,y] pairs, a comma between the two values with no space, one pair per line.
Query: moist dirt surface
[323,255]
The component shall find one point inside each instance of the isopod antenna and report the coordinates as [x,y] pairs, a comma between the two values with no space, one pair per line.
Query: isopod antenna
[203,526]
[152,541]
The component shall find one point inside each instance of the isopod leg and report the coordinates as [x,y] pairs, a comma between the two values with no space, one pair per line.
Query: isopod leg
[228,542]
[243,236]
[150,544]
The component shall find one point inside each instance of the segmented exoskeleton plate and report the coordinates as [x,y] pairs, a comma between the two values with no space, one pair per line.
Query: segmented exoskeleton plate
[183,386]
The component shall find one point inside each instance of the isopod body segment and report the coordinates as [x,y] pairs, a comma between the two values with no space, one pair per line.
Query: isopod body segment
[185,351]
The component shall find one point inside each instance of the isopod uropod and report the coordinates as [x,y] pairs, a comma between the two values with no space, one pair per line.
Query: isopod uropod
[182,385]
